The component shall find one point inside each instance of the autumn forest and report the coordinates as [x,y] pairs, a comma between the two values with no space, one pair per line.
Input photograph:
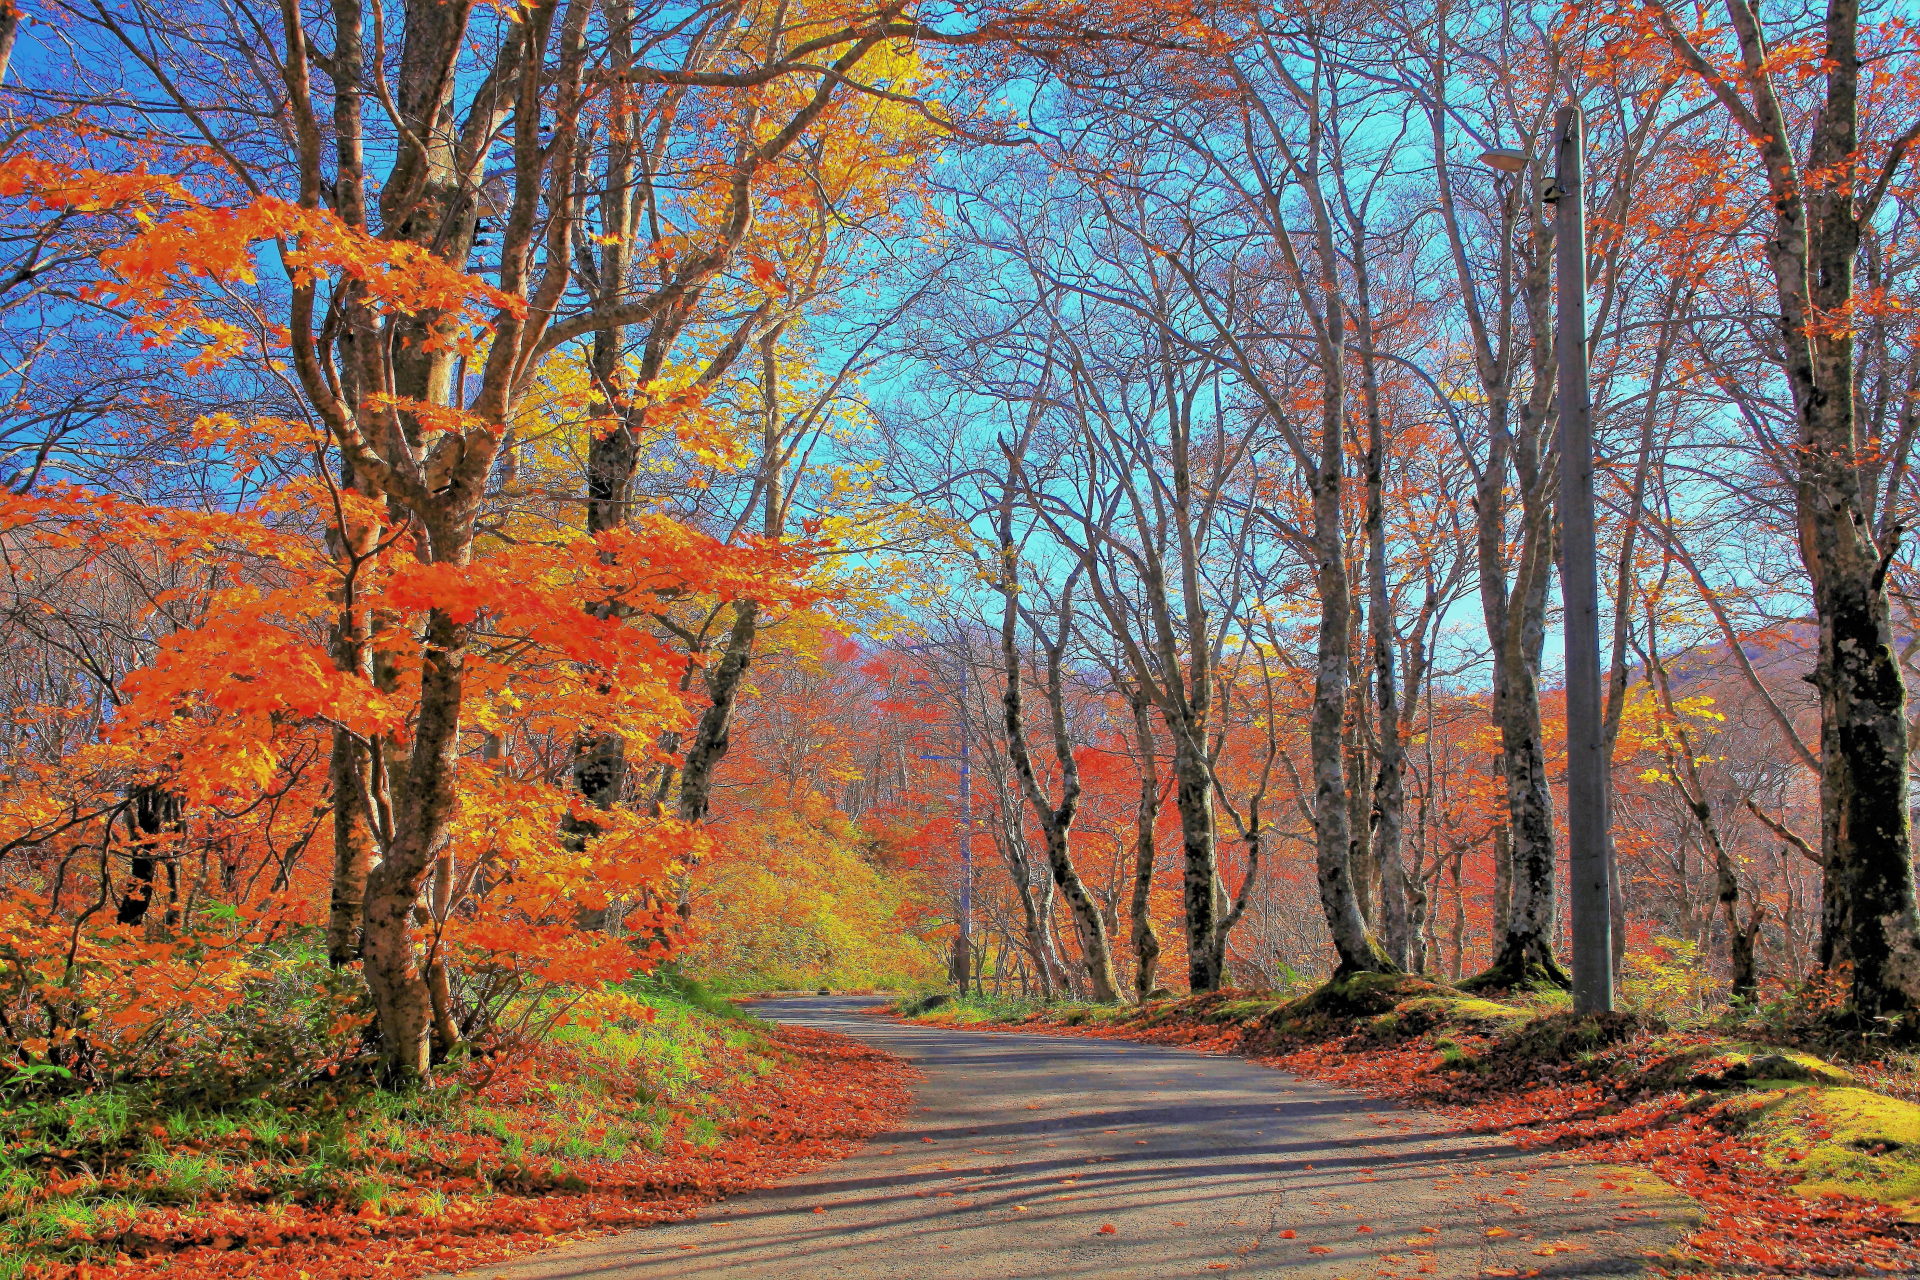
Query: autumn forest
[530,528]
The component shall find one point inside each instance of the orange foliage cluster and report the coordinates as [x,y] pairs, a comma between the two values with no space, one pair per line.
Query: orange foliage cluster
[232,715]
[237,695]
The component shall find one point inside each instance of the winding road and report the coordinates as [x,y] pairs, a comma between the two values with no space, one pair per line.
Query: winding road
[1025,1149]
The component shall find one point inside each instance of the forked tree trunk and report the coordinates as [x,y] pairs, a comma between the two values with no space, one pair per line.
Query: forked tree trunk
[1366,872]
[353,847]
[1745,980]
[1353,942]
[1516,624]
[1524,954]
[1399,928]
[1038,947]
[1513,597]
[350,766]
[1056,820]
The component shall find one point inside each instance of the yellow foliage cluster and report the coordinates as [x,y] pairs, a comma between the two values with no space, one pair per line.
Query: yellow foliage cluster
[790,898]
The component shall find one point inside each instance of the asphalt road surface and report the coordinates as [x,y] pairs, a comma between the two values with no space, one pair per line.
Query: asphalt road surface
[1024,1149]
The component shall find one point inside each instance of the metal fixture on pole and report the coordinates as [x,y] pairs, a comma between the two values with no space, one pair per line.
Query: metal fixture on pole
[1589,851]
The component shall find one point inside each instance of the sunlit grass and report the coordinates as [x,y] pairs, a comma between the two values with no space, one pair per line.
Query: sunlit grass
[84,1167]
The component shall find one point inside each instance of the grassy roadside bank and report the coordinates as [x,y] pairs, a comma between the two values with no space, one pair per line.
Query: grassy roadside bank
[1801,1165]
[670,1099]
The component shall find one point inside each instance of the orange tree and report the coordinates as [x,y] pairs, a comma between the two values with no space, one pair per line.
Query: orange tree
[363,609]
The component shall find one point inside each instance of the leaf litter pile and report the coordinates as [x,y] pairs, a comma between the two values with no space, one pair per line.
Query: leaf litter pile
[462,1199]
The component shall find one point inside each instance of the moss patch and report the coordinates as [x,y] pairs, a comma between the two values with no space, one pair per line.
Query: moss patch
[1720,1064]
[1360,995]
[1844,1141]
[1246,1010]
[1461,1013]
[1566,1037]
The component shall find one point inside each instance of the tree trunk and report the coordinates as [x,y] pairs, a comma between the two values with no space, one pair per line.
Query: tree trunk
[1146,944]
[353,848]
[156,814]
[712,737]
[1746,983]
[1513,597]
[1333,839]
[1366,872]
[10,15]
[1339,896]
[423,813]
[1869,923]
[446,1033]
[1398,927]
[1864,741]
[1038,944]
[350,769]
[1056,820]
[1502,876]
[1457,938]
[1089,929]
[1193,802]
[1524,956]
[1523,953]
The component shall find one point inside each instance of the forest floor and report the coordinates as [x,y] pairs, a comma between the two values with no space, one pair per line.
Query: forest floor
[1799,1166]
[594,1129]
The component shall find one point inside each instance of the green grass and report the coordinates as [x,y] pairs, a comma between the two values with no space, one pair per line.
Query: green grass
[970,1010]
[84,1166]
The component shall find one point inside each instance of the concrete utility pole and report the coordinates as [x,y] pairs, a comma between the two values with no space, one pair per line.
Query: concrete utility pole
[1589,851]
[963,945]
[960,966]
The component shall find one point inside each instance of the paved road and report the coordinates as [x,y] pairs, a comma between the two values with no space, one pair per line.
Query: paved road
[1024,1148]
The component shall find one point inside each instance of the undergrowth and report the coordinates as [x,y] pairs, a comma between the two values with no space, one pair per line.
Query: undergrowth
[128,1169]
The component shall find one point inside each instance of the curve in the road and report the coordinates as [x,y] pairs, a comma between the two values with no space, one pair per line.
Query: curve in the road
[1036,1157]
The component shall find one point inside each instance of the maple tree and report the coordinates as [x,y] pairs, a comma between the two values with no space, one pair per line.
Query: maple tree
[374,603]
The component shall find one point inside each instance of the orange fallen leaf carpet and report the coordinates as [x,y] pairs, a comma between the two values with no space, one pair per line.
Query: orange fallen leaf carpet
[833,1094]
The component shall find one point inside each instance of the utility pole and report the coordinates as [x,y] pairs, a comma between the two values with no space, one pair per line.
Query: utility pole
[963,945]
[960,966]
[1589,851]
